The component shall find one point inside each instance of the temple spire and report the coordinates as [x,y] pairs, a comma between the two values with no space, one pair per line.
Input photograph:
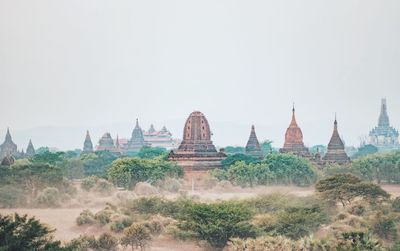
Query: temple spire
[87,145]
[383,117]
[336,152]
[253,146]
[30,150]
[8,135]
[293,123]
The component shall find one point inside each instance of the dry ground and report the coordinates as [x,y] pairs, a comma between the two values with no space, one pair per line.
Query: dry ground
[63,219]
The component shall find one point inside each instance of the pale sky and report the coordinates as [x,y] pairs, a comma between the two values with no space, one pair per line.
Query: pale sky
[71,65]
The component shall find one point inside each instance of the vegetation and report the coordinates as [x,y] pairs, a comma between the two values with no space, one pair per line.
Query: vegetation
[23,233]
[127,172]
[274,169]
[346,187]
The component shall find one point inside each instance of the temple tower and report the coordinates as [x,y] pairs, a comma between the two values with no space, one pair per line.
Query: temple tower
[384,137]
[87,145]
[253,146]
[137,140]
[106,143]
[294,139]
[336,153]
[8,147]
[30,150]
[197,153]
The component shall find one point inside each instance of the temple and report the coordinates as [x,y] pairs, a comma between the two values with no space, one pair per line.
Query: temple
[197,153]
[87,144]
[336,153]
[162,138]
[384,137]
[8,147]
[294,139]
[137,140]
[30,150]
[253,146]
[106,143]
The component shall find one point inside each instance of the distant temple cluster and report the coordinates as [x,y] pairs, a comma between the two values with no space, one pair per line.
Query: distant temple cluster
[139,138]
[196,153]
[9,150]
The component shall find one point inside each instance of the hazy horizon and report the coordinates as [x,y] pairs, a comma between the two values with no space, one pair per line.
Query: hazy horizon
[68,66]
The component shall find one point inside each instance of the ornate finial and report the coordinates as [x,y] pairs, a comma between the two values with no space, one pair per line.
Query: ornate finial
[335,120]
[293,110]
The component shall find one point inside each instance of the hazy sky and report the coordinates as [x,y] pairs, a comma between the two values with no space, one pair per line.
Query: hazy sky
[99,64]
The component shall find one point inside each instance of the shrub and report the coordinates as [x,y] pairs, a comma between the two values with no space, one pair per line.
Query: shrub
[143,188]
[171,185]
[88,183]
[49,197]
[385,228]
[396,204]
[107,242]
[136,235]
[357,209]
[103,187]
[155,227]
[82,243]
[12,196]
[85,217]
[103,217]
[120,224]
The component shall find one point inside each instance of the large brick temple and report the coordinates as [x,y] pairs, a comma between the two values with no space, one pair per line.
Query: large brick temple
[253,147]
[196,153]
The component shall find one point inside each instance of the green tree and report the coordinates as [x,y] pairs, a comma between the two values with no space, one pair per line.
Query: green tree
[23,233]
[232,159]
[126,172]
[97,163]
[148,152]
[365,150]
[346,187]
[234,149]
[216,223]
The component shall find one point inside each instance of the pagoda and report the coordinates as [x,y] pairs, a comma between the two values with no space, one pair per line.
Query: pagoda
[253,146]
[88,145]
[294,139]
[196,153]
[384,137]
[137,140]
[336,153]
[8,147]
[30,150]
[106,143]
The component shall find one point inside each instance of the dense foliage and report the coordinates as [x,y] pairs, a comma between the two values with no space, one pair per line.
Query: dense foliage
[127,172]
[274,169]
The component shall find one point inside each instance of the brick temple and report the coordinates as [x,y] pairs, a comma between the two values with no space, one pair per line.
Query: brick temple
[196,154]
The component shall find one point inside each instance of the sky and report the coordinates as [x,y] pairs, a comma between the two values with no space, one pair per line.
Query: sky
[71,65]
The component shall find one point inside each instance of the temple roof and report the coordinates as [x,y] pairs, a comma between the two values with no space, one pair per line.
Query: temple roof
[8,140]
[152,129]
[294,135]
[335,142]
[253,146]
[88,145]
[30,150]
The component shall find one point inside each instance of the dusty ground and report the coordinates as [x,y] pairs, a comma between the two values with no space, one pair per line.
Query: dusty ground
[63,219]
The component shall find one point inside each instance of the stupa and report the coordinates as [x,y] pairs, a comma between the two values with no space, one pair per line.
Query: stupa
[137,140]
[336,153]
[30,150]
[8,147]
[87,145]
[253,146]
[294,139]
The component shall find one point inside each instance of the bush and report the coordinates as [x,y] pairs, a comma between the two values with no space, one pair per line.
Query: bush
[85,217]
[107,242]
[396,204]
[136,235]
[120,223]
[49,197]
[143,188]
[357,209]
[12,196]
[171,185]
[155,227]
[88,183]
[103,217]
[103,187]
[385,228]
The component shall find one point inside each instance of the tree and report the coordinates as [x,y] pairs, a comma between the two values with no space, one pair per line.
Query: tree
[234,149]
[23,233]
[148,152]
[126,172]
[232,159]
[216,223]
[365,150]
[137,235]
[346,187]
[266,146]
[97,163]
